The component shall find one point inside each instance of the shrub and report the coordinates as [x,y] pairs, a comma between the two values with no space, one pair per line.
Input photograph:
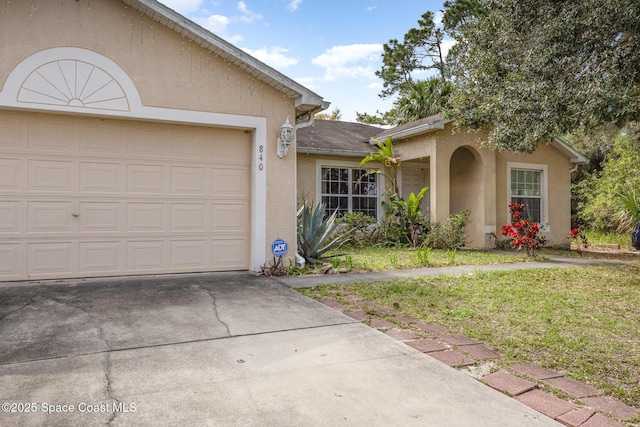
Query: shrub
[523,233]
[599,193]
[448,234]
[362,227]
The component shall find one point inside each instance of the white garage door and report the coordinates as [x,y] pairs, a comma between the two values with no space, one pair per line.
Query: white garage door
[84,197]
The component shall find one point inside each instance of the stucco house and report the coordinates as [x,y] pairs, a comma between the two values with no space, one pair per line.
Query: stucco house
[460,174]
[133,141]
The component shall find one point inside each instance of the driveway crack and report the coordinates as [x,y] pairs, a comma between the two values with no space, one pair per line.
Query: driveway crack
[22,307]
[108,387]
[215,309]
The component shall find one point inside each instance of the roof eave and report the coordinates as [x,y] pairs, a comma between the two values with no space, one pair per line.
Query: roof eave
[417,130]
[306,100]
[332,152]
[574,156]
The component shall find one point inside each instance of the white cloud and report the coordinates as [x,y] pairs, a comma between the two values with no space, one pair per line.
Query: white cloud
[215,23]
[446,45]
[183,6]
[293,5]
[437,18]
[350,61]
[308,82]
[334,73]
[247,15]
[375,85]
[341,55]
[275,57]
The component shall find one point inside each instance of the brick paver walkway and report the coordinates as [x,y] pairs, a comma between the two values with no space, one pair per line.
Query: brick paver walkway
[582,405]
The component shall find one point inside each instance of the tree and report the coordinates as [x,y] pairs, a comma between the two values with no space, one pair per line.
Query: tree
[416,100]
[421,49]
[600,194]
[336,114]
[458,12]
[528,71]
[421,98]
[386,118]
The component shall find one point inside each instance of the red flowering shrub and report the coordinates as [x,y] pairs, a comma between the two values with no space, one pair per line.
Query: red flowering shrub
[580,238]
[523,234]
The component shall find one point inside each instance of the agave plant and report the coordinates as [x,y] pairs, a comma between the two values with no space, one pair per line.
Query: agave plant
[315,232]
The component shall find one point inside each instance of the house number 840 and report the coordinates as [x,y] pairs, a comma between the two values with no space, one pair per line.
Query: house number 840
[260,157]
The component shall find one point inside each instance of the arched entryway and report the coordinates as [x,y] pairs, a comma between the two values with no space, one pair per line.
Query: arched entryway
[466,191]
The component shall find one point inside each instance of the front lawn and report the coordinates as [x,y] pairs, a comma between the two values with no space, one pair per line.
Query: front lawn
[383,258]
[582,321]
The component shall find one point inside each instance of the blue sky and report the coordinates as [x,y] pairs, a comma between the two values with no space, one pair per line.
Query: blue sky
[332,47]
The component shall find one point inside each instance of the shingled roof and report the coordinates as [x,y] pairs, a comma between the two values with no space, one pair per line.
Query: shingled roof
[336,137]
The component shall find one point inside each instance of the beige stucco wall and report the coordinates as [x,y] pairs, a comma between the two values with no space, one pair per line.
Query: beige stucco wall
[559,190]
[168,71]
[464,175]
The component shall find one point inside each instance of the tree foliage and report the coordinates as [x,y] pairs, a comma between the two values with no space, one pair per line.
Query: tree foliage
[421,49]
[416,100]
[599,194]
[532,70]
[421,98]
[335,114]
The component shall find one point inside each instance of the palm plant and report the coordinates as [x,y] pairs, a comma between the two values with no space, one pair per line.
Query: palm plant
[629,208]
[410,214]
[421,98]
[316,231]
[385,156]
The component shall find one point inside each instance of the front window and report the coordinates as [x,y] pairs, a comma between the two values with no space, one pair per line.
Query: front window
[350,190]
[526,188]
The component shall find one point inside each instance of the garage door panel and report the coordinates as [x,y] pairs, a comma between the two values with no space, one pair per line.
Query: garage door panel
[146,255]
[232,182]
[231,217]
[145,179]
[229,253]
[50,217]
[188,217]
[189,254]
[10,217]
[145,217]
[147,140]
[52,135]
[51,175]
[50,257]
[12,259]
[99,217]
[13,131]
[108,197]
[99,257]
[100,177]
[189,180]
[231,145]
[102,139]
[191,144]
[10,175]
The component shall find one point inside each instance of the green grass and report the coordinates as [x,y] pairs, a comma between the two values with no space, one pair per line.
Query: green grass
[601,238]
[380,258]
[584,322]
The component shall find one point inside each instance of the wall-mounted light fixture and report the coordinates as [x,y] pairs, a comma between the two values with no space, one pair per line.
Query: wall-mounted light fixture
[285,138]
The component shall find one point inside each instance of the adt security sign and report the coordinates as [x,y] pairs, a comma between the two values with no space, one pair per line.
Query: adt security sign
[279,247]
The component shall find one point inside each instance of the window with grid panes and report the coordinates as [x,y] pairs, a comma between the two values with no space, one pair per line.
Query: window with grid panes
[526,188]
[350,190]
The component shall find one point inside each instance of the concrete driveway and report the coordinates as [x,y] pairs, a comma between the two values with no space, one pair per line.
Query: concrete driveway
[219,349]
